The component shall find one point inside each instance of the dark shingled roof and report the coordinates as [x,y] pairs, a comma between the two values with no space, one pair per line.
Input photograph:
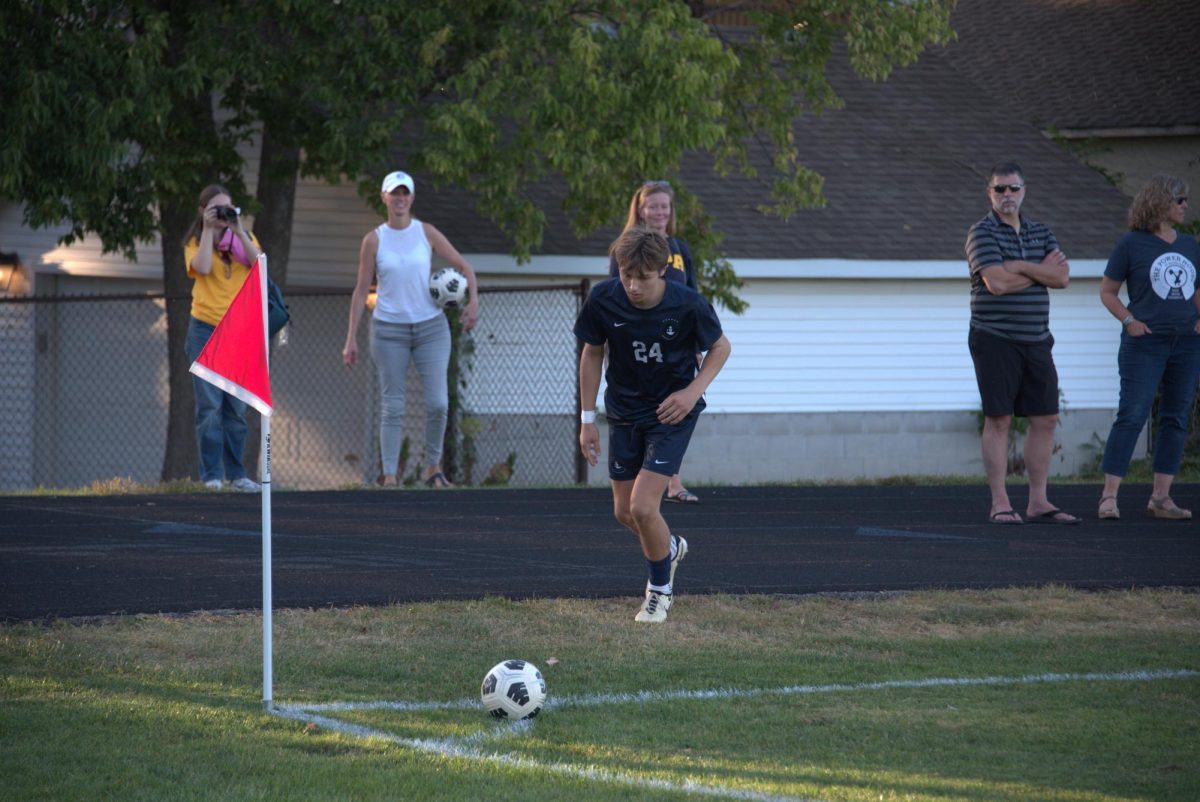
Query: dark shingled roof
[905,163]
[1085,64]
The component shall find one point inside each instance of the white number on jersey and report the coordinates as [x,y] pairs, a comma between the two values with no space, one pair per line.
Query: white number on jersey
[642,355]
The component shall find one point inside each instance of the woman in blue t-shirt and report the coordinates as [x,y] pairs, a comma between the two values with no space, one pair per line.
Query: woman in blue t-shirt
[653,206]
[1160,341]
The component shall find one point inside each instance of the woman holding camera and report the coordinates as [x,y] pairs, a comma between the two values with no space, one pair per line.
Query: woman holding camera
[218,253]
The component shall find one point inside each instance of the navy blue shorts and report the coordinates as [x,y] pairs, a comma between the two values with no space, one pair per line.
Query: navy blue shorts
[650,445]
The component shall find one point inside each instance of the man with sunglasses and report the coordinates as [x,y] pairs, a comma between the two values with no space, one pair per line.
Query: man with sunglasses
[1014,262]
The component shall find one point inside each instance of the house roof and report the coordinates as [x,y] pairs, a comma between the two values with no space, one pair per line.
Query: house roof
[1085,64]
[905,163]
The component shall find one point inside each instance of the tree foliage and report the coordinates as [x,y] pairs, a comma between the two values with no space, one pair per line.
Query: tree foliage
[119,111]
[507,97]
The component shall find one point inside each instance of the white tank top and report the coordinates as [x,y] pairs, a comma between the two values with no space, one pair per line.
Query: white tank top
[402,266]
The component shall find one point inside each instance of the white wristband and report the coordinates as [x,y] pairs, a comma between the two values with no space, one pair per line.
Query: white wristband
[1128,319]
[587,416]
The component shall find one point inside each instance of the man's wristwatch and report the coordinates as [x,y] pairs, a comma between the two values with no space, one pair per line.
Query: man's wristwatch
[1128,319]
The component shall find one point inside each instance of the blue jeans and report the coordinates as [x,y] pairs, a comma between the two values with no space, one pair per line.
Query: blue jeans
[220,417]
[427,345]
[1172,360]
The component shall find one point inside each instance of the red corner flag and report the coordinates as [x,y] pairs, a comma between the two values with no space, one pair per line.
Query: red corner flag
[235,357]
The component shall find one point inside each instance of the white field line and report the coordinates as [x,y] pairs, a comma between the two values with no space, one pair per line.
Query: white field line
[455,748]
[466,748]
[744,693]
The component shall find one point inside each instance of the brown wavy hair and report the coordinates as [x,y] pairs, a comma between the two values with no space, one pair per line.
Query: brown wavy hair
[1154,201]
[641,249]
[647,189]
[208,193]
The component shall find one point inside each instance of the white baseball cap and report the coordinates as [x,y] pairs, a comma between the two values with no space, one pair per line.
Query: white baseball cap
[397,179]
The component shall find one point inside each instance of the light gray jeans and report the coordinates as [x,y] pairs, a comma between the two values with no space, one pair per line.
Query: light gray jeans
[427,345]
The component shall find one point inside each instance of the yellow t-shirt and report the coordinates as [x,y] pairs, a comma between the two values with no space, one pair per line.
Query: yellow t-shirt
[213,292]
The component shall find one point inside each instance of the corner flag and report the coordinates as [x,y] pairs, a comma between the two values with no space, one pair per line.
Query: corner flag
[235,357]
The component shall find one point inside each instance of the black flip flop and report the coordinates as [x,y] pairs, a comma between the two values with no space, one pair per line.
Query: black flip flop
[995,518]
[1047,517]
[684,497]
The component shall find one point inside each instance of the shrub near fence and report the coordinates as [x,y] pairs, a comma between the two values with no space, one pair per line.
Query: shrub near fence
[84,396]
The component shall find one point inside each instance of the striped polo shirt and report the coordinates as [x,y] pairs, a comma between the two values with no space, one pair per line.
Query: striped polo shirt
[1023,316]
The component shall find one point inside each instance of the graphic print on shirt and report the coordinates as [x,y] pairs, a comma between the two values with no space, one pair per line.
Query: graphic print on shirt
[670,329]
[676,262]
[1173,276]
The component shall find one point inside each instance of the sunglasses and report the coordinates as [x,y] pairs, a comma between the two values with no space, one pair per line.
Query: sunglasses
[1182,200]
[1000,189]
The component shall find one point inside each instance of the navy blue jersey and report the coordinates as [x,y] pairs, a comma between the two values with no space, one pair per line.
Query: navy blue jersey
[651,352]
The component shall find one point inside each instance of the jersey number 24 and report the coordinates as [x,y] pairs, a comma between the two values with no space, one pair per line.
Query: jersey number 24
[641,354]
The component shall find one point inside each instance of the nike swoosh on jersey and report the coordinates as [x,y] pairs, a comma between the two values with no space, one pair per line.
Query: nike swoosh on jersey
[618,325]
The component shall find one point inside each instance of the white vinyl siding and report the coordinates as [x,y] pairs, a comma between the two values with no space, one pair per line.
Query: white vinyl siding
[328,226]
[39,251]
[879,345]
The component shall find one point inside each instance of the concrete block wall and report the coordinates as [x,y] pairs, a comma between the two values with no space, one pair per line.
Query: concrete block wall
[752,449]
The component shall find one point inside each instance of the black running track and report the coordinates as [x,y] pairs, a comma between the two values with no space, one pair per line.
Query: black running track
[83,556]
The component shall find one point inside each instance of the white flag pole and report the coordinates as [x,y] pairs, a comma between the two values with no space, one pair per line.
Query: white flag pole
[265,457]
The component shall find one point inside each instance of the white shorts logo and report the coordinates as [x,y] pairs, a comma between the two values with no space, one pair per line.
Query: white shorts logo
[1173,276]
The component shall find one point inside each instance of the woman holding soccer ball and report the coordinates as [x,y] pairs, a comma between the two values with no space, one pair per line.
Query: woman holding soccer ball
[407,325]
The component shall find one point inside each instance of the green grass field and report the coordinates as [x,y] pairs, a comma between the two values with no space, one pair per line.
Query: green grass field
[166,708]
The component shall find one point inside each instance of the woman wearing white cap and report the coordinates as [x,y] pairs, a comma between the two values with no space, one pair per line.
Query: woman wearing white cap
[407,324]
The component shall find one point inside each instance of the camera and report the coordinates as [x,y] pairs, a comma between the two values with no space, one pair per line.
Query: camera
[228,213]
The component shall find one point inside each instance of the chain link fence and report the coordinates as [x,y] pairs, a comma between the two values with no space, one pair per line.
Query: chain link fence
[85,393]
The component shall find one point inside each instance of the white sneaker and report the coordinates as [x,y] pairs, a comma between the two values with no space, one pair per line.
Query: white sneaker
[214,484]
[654,608]
[245,485]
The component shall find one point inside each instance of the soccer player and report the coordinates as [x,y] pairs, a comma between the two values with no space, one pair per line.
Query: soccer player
[653,329]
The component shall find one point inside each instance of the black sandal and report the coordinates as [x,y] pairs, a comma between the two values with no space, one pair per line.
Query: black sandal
[438,480]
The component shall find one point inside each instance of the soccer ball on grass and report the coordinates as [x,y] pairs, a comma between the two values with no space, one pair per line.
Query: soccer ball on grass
[513,689]
[448,287]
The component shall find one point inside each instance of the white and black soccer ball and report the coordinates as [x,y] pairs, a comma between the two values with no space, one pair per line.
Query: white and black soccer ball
[513,689]
[448,287]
